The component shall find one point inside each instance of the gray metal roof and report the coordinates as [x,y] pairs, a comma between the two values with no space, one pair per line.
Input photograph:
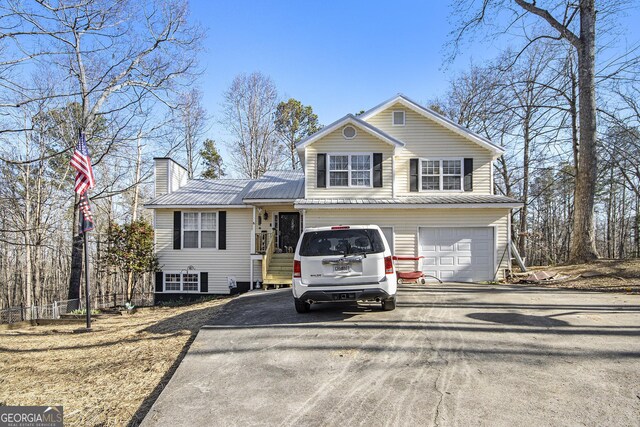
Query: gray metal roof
[454,199]
[198,192]
[277,185]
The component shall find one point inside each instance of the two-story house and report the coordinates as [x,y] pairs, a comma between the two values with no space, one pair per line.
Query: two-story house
[426,181]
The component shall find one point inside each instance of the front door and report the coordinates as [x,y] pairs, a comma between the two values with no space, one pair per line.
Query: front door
[289,229]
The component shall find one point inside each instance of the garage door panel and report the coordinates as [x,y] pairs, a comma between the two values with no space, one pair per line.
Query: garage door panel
[426,261]
[481,246]
[465,260]
[461,254]
[447,260]
[463,246]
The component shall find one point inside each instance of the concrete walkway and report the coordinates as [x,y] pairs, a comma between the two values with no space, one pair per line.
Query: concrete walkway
[454,354]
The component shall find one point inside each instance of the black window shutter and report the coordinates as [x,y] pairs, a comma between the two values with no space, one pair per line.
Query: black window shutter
[377,169]
[413,174]
[204,281]
[177,229]
[321,170]
[468,174]
[222,230]
[159,277]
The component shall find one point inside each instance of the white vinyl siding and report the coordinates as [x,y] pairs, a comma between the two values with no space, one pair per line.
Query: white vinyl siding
[161,176]
[406,223]
[427,139]
[178,176]
[335,144]
[169,176]
[233,261]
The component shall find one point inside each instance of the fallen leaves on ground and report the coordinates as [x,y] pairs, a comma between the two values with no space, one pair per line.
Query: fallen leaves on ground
[104,377]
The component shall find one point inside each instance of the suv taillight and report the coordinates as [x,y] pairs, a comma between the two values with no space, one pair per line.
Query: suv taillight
[297,269]
[388,265]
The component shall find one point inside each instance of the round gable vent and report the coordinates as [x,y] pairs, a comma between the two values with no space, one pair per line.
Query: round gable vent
[349,132]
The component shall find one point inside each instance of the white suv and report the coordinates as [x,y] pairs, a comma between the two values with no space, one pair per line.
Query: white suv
[345,263]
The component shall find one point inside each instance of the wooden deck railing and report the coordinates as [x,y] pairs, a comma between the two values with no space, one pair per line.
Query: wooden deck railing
[268,252]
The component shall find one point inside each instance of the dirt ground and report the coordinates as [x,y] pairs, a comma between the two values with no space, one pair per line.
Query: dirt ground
[107,377]
[602,275]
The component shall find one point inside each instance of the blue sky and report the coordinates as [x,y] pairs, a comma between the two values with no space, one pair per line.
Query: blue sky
[337,56]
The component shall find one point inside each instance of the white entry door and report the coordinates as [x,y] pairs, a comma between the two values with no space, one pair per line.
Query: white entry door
[457,254]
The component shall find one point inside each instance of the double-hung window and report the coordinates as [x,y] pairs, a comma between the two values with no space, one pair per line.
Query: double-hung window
[441,175]
[349,170]
[199,229]
[182,282]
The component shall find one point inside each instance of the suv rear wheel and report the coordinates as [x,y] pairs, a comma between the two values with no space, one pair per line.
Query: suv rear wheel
[389,304]
[302,306]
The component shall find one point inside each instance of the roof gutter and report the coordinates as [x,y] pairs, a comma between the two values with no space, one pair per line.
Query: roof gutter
[151,206]
[409,206]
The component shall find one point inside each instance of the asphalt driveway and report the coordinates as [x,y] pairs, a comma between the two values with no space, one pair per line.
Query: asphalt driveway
[453,354]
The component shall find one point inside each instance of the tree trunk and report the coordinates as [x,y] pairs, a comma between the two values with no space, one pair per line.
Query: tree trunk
[134,213]
[583,247]
[522,238]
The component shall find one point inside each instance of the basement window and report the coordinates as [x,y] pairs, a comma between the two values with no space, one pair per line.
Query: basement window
[182,282]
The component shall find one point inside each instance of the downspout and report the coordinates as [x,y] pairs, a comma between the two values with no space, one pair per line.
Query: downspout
[393,174]
[253,246]
[508,239]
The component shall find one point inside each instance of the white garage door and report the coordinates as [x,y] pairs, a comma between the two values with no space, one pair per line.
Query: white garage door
[457,254]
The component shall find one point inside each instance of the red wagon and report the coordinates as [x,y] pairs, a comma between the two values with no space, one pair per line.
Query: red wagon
[416,276]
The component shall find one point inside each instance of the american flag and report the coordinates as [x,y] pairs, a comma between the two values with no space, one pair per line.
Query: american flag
[82,163]
[86,217]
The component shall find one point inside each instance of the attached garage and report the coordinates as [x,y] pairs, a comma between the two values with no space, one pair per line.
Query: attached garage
[458,254]
[475,236]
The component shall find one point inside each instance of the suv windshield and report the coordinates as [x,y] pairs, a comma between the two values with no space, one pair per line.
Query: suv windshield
[341,242]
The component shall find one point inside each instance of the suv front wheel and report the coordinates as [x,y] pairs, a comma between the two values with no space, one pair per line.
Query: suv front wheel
[389,304]
[302,306]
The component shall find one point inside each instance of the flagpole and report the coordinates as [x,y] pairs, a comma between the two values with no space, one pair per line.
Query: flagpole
[86,280]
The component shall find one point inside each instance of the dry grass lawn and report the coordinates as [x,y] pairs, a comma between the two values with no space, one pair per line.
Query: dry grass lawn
[108,377]
[602,275]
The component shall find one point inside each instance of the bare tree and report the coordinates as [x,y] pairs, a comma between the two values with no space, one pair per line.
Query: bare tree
[583,39]
[193,123]
[107,58]
[248,112]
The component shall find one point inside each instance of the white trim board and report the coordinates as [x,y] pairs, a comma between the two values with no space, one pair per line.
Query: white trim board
[409,206]
[197,206]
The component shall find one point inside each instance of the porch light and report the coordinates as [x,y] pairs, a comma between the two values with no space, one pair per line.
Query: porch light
[266,216]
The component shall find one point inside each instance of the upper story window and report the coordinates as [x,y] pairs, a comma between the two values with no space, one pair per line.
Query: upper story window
[398,118]
[199,230]
[441,175]
[349,170]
